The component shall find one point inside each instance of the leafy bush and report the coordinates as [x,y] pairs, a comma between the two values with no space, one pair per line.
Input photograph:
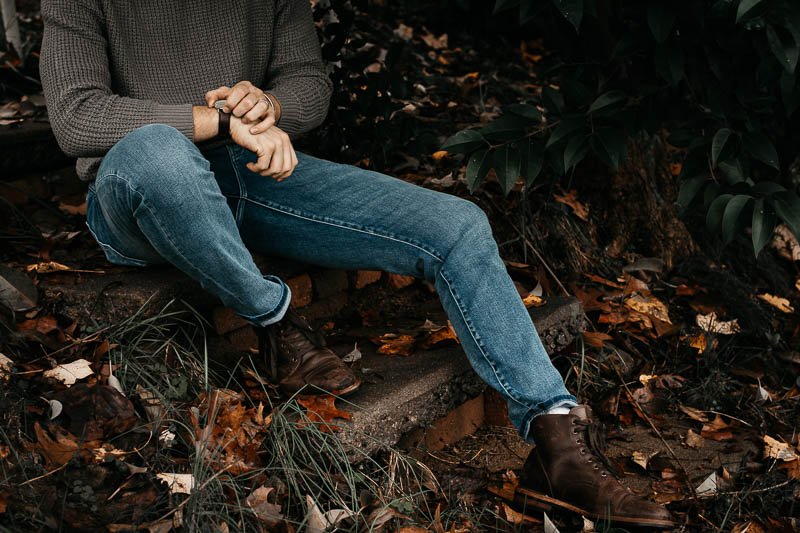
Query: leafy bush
[719,75]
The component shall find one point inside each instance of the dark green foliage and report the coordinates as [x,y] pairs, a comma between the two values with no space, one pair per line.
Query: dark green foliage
[720,76]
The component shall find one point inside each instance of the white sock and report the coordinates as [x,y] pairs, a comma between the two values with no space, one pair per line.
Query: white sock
[560,409]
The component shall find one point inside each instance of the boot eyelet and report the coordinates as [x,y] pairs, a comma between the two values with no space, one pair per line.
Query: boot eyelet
[604,474]
[583,451]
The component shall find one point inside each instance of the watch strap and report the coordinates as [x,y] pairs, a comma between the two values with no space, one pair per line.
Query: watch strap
[224,120]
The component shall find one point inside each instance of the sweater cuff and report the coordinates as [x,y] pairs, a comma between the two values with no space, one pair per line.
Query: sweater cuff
[179,116]
[292,120]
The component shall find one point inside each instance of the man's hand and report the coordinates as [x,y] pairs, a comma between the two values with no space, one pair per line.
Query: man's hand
[276,156]
[248,102]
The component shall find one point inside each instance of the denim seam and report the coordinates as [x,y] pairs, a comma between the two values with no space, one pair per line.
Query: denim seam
[104,245]
[199,273]
[239,215]
[478,343]
[346,225]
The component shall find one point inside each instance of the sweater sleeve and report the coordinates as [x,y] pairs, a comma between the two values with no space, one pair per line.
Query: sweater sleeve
[86,117]
[296,74]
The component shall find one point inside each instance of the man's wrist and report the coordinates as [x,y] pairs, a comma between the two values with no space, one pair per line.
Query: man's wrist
[206,123]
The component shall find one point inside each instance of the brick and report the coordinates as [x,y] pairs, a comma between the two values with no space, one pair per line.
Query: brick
[226,320]
[329,282]
[398,281]
[363,278]
[326,308]
[454,426]
[496,409]
[302,292]
[243,339]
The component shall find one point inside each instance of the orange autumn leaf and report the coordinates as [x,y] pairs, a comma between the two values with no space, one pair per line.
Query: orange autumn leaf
[44,325]
[603,281]
[596,339]
[571,199]
[438,156]
[439,336]
[717,429]
[392,344]
[323,410]
[532,300]
[675,169]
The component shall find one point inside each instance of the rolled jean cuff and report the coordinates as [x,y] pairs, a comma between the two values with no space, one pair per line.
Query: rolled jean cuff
[276,314]
[542,408]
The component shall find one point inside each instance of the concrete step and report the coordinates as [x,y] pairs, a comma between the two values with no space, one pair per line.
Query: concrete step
[401,394]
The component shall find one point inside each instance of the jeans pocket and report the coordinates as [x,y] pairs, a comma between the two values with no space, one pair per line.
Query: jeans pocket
[99,230]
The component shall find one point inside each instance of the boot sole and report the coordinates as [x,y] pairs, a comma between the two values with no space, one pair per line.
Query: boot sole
[546,503]
[341,393]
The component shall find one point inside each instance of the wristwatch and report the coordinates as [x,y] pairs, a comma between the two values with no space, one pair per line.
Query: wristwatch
[224,119]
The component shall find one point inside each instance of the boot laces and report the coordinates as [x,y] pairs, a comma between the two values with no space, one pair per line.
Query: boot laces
[595,440]
[291,333]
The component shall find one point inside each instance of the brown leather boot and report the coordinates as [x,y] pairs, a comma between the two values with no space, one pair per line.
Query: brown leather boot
[299,360]
[567,469]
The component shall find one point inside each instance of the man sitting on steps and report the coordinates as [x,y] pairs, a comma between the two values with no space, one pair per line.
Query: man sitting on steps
[181,115]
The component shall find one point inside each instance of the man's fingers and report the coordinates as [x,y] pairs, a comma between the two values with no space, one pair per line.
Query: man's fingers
[255,114]
[264,125]
[217,94]
[239,91]
[276,165]
[247,103]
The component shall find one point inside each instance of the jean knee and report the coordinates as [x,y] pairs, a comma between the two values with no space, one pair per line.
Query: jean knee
[155,157]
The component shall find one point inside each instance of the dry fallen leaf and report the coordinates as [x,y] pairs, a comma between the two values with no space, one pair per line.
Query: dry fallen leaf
[47,267]
[266,512]
[437,43]
[69,373]
[642,458]
[693,440]
[694,414]
[717,429]
[711,324]
[58,450]
[439,336]
[178,483]
[785,243]
[781,304]
[595,338]
[515,517]
[709,486]
[649,305]
[533,300]
[323,410]
[775,449]
[699,342]
[571,199]
[43,325]
[393,344]
[6,365]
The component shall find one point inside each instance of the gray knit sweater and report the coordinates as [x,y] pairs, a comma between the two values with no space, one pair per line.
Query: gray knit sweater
[111,66]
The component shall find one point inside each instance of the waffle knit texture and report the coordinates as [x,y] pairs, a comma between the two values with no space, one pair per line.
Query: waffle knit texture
[111,66]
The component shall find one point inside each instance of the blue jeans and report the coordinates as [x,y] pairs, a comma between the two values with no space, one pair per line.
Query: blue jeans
[157,198]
